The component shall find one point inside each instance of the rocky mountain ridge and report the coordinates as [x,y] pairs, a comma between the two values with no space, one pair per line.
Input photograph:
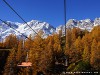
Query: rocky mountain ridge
[47,29]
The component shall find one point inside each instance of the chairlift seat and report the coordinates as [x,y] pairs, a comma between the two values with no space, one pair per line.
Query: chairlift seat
[25,64]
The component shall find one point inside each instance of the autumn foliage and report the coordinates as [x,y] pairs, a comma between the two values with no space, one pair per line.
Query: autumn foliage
[82,50]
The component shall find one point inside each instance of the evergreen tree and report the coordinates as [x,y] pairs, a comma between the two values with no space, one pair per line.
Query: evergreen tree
[86,54]
[78,48]
[95,55]
[28,43]
[11,41]
[11,65]
[57,43]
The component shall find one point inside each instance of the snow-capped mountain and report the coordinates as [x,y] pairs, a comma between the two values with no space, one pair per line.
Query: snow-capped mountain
[87,24]
[23,28]
[46,28]
[37,26]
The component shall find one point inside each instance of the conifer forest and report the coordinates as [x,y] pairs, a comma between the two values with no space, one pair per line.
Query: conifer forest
[78,51]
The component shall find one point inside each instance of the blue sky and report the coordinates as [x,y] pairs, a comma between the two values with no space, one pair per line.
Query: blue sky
[51,11]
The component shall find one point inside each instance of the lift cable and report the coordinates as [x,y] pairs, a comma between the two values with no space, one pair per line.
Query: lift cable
[15,29]
[19,16]
[65,19]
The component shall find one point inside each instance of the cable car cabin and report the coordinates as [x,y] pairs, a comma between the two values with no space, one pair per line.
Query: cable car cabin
[26,63]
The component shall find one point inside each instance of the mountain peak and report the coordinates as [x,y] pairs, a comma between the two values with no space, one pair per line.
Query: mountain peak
[45,27]
[25,29]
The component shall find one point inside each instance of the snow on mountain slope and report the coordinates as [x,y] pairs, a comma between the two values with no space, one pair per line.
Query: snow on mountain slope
[45,27]
[97,21]
[36,26]
[5,30]
[25,29]
[82,24]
